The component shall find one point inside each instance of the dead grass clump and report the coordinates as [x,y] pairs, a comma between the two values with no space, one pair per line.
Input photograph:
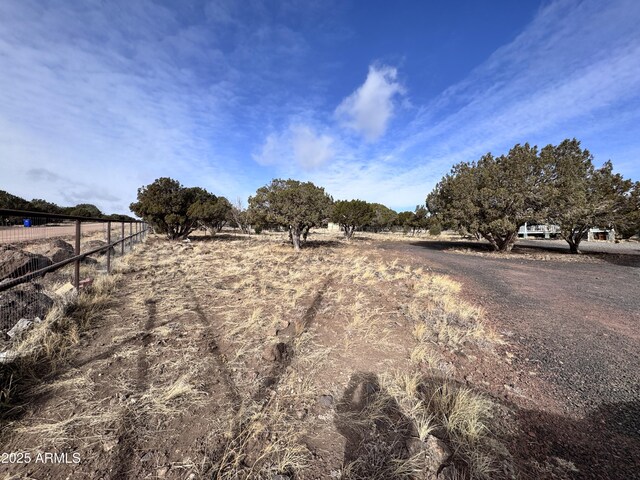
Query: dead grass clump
[454,413]
[172,398]
[49,343]
[441,317]
[262,442]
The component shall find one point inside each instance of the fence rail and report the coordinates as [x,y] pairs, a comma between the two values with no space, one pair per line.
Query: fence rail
[62,247]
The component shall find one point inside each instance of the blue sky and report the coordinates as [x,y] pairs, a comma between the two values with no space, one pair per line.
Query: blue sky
[370,99]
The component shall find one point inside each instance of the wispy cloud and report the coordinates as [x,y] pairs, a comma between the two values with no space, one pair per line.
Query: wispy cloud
[369,109]
[573,71]
[101,98]
[117,94]
[298,146]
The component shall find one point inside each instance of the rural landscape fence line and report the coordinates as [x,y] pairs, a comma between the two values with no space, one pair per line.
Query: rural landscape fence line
[62,248]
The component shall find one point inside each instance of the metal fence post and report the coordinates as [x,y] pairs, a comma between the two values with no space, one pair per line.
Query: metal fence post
[122,240]
[109,248]
[76,277]
[130,236]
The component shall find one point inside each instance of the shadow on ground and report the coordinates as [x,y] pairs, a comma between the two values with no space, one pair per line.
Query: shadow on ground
[630,258]
[375,430]
[603,445]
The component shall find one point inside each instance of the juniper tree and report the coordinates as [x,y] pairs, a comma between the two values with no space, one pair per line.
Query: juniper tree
[352,214]
[210,212]
[492,197]
[579,196]
[296,206]
[165,203]
[383,217]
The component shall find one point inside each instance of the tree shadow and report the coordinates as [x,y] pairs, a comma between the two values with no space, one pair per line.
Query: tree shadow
[313,244]
[219,237]
[441,245]
[518,443]
[628,259]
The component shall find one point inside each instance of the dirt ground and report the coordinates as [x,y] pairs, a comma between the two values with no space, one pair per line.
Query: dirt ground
[570,322]
[238,358]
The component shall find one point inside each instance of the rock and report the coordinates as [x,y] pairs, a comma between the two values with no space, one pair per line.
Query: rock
[59,250]
[109,445]
[19,328]
[325,401]
[66,289]
[7,357]
[277,352]
[93,244]
[280,326]
[146,457]
[24,301]
[436,454]
[162,472]
[15,262]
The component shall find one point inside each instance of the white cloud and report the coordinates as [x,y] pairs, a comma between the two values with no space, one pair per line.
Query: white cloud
[309,149]
[298,146]
[369,109]
[107,114]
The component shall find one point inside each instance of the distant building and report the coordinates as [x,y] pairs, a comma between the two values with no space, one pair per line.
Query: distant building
[533,230]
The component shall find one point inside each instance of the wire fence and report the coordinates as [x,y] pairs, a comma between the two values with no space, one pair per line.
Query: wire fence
[45,256]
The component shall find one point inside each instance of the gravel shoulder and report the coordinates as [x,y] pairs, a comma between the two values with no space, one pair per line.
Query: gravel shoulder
[575,325]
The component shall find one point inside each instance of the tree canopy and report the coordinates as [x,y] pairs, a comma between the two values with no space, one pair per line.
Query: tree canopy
[84,210]
[13,202]
[491,197]
[297,206]
[383,217]
[176,210]
[579,196]
[352,214]
[210,212]
[559,185]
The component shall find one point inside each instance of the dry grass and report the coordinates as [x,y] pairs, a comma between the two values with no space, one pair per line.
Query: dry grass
[458,414]
[51,341]
[340,309]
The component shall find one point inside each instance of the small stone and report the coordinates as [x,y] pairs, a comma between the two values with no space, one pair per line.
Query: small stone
[85,283]
[109,445]
[277,352]
[20,327]
[146,457]
[162,472]
[65,289]
[325,401]
[435,450]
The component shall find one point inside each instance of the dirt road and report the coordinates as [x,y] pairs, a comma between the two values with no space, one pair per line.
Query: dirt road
[22,234]
[576,325]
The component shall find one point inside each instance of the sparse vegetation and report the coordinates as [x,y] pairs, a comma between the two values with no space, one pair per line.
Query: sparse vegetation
[284,337]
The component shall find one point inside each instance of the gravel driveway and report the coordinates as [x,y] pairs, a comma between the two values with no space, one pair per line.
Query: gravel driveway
[577,324]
